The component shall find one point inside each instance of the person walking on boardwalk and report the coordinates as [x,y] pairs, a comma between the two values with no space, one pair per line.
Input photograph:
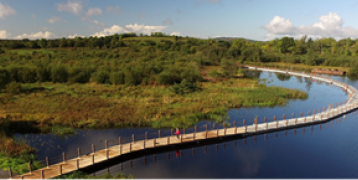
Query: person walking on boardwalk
[177,132]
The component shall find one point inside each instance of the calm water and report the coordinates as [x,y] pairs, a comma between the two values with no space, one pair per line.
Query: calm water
[321,151]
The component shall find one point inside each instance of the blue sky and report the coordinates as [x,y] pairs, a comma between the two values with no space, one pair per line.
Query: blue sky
[253,19]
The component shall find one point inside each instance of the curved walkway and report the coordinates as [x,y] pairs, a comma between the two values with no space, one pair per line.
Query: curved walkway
[100,156]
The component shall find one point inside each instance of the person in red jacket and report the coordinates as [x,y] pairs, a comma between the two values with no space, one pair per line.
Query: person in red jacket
[177,132]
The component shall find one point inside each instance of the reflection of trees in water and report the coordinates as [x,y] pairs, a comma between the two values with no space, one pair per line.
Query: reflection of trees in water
[252,74]
[282,77]
[308,84]
[299,79]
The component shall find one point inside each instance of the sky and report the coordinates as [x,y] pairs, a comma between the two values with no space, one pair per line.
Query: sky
[253,19]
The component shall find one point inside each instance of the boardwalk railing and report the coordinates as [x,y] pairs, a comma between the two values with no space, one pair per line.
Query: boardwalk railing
[109,150]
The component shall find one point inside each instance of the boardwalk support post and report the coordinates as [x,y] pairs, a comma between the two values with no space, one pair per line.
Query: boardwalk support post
[10,172]
[78,164]
[130,147]
[154,142]
[133,138]
[60,168]
[168,140]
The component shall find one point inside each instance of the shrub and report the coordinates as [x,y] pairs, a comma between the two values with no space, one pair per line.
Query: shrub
[59,74]
[4,77]
[117,78]
[13,88]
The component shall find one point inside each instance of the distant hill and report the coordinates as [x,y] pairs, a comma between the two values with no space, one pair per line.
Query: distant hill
[232,38]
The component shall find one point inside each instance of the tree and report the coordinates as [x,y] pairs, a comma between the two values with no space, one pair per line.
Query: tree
[63,42]
[4,77]
[287,42]
[42,43]
[229,67]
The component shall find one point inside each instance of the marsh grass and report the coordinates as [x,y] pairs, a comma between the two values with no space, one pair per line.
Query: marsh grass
[100,106]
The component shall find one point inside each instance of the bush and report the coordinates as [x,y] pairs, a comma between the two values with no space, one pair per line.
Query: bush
[101,77]
[13,88]
[4,78]
[59,74]
[117,78]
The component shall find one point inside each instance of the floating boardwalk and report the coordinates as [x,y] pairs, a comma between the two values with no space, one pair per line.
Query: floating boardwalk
[100,156]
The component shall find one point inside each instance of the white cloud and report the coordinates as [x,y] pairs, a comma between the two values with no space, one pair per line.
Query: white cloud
[75,35]
[329,25]
[114,9]
[175,33]
[94,12]
[33,16]
[129,28]
[96,22]
[74,7]
[168,21]
[54,19]
[3,34]
[6,10]
[37,35]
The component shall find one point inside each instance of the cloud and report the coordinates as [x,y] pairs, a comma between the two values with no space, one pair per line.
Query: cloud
[6,10]
[74,7]
[96,22]
[114,9]
[37,35]
[33,16]
[94,12]
[75,35]
[175,33]
[280,26]
[178,11]
[168,21]
[129,28]
[3,34]
[329,25]
[54,19]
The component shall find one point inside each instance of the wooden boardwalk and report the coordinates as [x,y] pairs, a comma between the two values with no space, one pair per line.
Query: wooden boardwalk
[83,161]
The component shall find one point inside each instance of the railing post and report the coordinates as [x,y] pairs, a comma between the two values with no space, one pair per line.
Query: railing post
[309,113]
[274,118]
[146,135]
[304,120]
[217,132]
[130,147]
[120,145]
[92,159]
[224,129]
[172,132]
[168,140]
[206,134]
[47,162]
[183,130]
[296,121]
[181,138]
[133,138]
[276,124]
[159,134]
[93,148]
[214,126]
[154,142]
[293,115]
[265,120]
[301,114]
[79,152]
[64,157]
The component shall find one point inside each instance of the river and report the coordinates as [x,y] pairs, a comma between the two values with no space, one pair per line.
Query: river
[319,151]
